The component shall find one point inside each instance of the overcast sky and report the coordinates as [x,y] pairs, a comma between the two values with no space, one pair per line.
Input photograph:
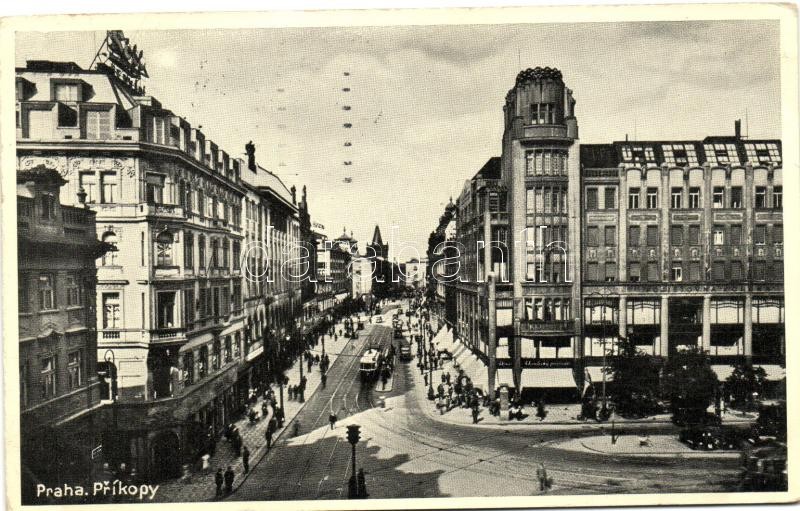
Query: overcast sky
[426,102]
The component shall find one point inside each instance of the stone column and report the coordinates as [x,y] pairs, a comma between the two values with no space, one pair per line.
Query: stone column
[706,342]
[664,352]
[623,317]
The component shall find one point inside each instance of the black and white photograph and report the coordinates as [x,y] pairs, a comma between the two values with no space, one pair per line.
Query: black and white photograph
[423,259]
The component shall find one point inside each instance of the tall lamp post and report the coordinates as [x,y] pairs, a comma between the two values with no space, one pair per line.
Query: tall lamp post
[603,322]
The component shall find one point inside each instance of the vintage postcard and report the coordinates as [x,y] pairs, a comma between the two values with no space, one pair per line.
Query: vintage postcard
[476,258]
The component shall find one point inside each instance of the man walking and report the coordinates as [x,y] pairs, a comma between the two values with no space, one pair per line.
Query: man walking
[332,419]
[246,459]
[229,476]
[269,432]
[218,480]
[541,475]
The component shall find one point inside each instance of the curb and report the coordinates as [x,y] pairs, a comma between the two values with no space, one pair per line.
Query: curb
[658,454]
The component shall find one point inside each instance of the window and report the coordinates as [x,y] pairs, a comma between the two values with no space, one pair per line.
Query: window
[610,235]
[166,309]
[228,349]
[633,198]
[164,242]
[677,273]
[736,235]
[592,274]
[759,270]
[694,271]
[88,181]
[591,198]
[543,113]
[652,235]
[74,365]
[214,263]
[48,206]
[719,235]
[188,367]
[718,198]
[98,124]
[634,235]
[188,308]
[777,197]
[736,271]
[154,189]
[202,362]
[188,250]
[762,153]
[73,291]
[694,198]
[201,251]
[652,272]
[760,234]
[66,92]
[109,183]
[47,296]
[721,154]
[777,234]
[610,197]
[110,257]
[236,296]
[761,197]
[676,198]
[216,304]
[23,293]
[111,310]
[718,270]
[236,254]
[48,373]
[676,235]
[694,234]
[634,272]
[736,197]
[216,354]
[611,272]
[679,155]
[202,300]
[652,198]
[225,251]
[593,236]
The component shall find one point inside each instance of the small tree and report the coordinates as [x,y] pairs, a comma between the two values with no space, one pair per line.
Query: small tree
[743,382]
[635,380]
[690,384]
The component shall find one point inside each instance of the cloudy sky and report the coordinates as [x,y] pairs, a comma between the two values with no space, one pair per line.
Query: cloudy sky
[426,102]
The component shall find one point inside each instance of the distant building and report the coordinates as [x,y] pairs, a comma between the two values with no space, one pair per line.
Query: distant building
[362,269]
[334,282]
[415,273]
[60,392]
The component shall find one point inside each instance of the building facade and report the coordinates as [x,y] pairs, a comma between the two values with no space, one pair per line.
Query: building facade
[669,243]
[61,395]
[175,338]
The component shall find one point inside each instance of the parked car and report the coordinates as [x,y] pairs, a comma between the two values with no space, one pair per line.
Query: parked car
[699,438]
[379,319]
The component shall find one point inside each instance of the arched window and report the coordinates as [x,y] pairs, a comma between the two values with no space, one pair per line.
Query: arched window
[110,257]
[164,241]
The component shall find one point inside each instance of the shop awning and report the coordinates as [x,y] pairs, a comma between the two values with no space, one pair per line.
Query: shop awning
[596,374]
[505,377]
[775,372]
[560,378]
[723,371]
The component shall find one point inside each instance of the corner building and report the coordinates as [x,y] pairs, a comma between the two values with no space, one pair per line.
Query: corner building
[670,243]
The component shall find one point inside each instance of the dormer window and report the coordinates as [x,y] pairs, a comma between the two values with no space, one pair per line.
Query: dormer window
[680,155]
[638,154]
[66,92]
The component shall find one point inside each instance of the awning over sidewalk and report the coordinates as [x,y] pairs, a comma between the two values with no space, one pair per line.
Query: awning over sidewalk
[723,371]
[775,372]
[505,377]
[546,378]
[596,374]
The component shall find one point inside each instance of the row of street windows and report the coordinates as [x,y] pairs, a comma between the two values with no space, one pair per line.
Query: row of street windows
[50,293]
[678,235]
[691,271]
[719,200]
[48,376]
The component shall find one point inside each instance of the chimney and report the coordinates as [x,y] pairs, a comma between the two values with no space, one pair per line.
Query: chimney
[738,129]
[626,137]
[250,149]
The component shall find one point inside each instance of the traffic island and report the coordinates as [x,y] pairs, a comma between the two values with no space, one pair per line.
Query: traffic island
[651,446]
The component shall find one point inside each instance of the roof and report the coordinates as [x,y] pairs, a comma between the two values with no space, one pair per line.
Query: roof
[51,66]
[264,180]
[376,236]
[490,170]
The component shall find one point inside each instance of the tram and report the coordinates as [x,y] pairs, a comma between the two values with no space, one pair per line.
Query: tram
[370,363]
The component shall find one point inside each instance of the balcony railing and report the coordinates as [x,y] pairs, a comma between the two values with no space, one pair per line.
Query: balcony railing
[547,327]
[167,334]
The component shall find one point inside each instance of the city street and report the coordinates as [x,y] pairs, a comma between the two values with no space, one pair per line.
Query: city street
[404,450]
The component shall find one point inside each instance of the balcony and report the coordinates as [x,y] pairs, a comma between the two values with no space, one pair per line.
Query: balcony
[545,131]
[555,327]
[168,335]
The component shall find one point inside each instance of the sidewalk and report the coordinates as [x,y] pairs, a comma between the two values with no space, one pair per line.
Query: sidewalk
[557,414]
[628,445]
[199,485]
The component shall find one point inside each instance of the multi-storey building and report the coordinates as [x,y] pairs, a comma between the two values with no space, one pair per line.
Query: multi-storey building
[172,331]
[60,393]
[415,271]
[669,243]
[441,256]
[334,273]
[361,269]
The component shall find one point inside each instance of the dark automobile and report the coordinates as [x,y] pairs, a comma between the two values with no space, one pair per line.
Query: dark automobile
[771,422]
[405,353]
[699,438]
[694,417]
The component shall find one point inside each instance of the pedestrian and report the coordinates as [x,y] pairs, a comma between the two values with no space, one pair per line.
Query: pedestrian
[310,363]
[362,484]
[268,434]
[384,379]
[447,376]
[246,459]
[541,475]
[289,392]
[218,480]
[237,443]
[229,476]
[540,410]
[332,419]
[426,380]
